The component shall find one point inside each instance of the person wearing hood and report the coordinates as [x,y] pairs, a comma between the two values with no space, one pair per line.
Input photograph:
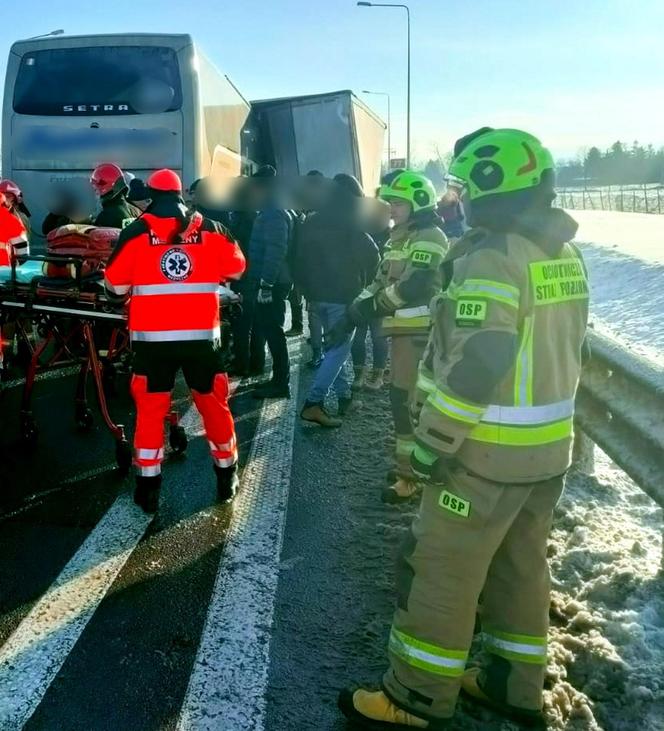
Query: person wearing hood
[171,263]
[494,426]
[110,184]
[335,259]
[409,276]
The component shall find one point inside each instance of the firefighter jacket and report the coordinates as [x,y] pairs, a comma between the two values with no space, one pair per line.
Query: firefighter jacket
[172,267]
[409,276]
[499,376]
[116,212]
[13,237]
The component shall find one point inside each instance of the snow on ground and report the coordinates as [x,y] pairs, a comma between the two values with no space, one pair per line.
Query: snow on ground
[625,257]
[606,651]
[638,235]
[607,635]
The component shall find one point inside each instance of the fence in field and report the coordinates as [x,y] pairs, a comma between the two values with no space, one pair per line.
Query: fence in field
[630,198]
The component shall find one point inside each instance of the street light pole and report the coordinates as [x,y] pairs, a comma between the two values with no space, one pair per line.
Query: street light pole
[58,32]
[389,125]
[407,9]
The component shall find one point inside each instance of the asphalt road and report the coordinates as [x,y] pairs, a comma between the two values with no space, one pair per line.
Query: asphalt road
[207,617]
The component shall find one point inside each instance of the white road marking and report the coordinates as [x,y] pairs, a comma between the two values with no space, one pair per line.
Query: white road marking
[35,652]
[45,376]
[229,678]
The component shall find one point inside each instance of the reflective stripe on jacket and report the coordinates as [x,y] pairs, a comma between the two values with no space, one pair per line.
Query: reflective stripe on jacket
[173,279]
[498,380]
[409,275]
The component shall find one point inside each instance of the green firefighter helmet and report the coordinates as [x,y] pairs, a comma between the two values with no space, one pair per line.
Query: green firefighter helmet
[501,161]
[415,188]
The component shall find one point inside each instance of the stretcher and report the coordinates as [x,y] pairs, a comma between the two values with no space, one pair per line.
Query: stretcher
[65,321]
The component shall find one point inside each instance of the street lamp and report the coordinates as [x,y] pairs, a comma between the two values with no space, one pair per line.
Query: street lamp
[389,124]
[407,9]
[58,32]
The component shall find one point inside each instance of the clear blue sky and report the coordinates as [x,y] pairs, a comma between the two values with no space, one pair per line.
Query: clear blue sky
[574,72]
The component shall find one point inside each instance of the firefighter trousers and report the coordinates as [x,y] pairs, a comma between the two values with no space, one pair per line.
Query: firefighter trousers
[473,536]
[405,354]
[154,370]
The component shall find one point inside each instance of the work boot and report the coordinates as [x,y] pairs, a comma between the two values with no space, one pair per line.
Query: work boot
[374,382]
[316,414]
[472,689]
[227,483]
[360,378]
[272,390]
[146,494]
[374,710]
[345,403]
[402,491]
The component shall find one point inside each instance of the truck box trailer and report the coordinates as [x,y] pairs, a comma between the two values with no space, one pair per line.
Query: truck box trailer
[333,133]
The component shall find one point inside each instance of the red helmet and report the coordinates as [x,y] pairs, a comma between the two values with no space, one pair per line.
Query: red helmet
[9,189]
[107,178]
[165,180]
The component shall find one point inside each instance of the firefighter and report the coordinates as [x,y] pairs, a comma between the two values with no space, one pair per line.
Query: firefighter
[494,441]
[171,264]
[409,276]
[110,184]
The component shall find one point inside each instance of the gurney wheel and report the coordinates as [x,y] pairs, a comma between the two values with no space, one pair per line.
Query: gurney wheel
[84,419]
[29,431]
[177,438]
[123,455]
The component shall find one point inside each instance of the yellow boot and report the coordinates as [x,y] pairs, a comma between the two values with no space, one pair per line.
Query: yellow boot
[374,710]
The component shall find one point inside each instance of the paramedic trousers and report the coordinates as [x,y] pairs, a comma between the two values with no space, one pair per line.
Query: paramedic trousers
[154,370]
[473,536]
[405,353]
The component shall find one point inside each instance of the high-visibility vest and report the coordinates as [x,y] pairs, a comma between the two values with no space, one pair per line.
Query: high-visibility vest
[173,279]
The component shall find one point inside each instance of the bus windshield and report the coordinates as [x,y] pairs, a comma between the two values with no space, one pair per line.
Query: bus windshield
[98,80]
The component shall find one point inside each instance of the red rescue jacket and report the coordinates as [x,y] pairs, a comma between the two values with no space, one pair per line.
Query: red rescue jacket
[13,237]
[172,266]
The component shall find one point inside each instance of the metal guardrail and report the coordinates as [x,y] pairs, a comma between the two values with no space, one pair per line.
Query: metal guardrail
[620,406]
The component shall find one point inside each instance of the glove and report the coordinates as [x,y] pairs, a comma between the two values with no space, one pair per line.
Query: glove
[363,310]
[264,294]
[339,332]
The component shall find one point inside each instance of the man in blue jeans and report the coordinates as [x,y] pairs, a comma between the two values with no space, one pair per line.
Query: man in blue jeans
[334,261]
[331,372]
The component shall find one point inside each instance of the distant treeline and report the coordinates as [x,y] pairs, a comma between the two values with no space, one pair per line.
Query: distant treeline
[619,165]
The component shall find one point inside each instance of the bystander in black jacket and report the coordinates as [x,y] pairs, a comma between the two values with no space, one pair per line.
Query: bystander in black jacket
[334,259]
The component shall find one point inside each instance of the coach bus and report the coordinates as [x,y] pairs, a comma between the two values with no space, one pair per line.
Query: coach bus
[144,101]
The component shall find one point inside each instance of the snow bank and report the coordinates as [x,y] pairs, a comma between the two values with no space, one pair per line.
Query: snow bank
[607,636]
